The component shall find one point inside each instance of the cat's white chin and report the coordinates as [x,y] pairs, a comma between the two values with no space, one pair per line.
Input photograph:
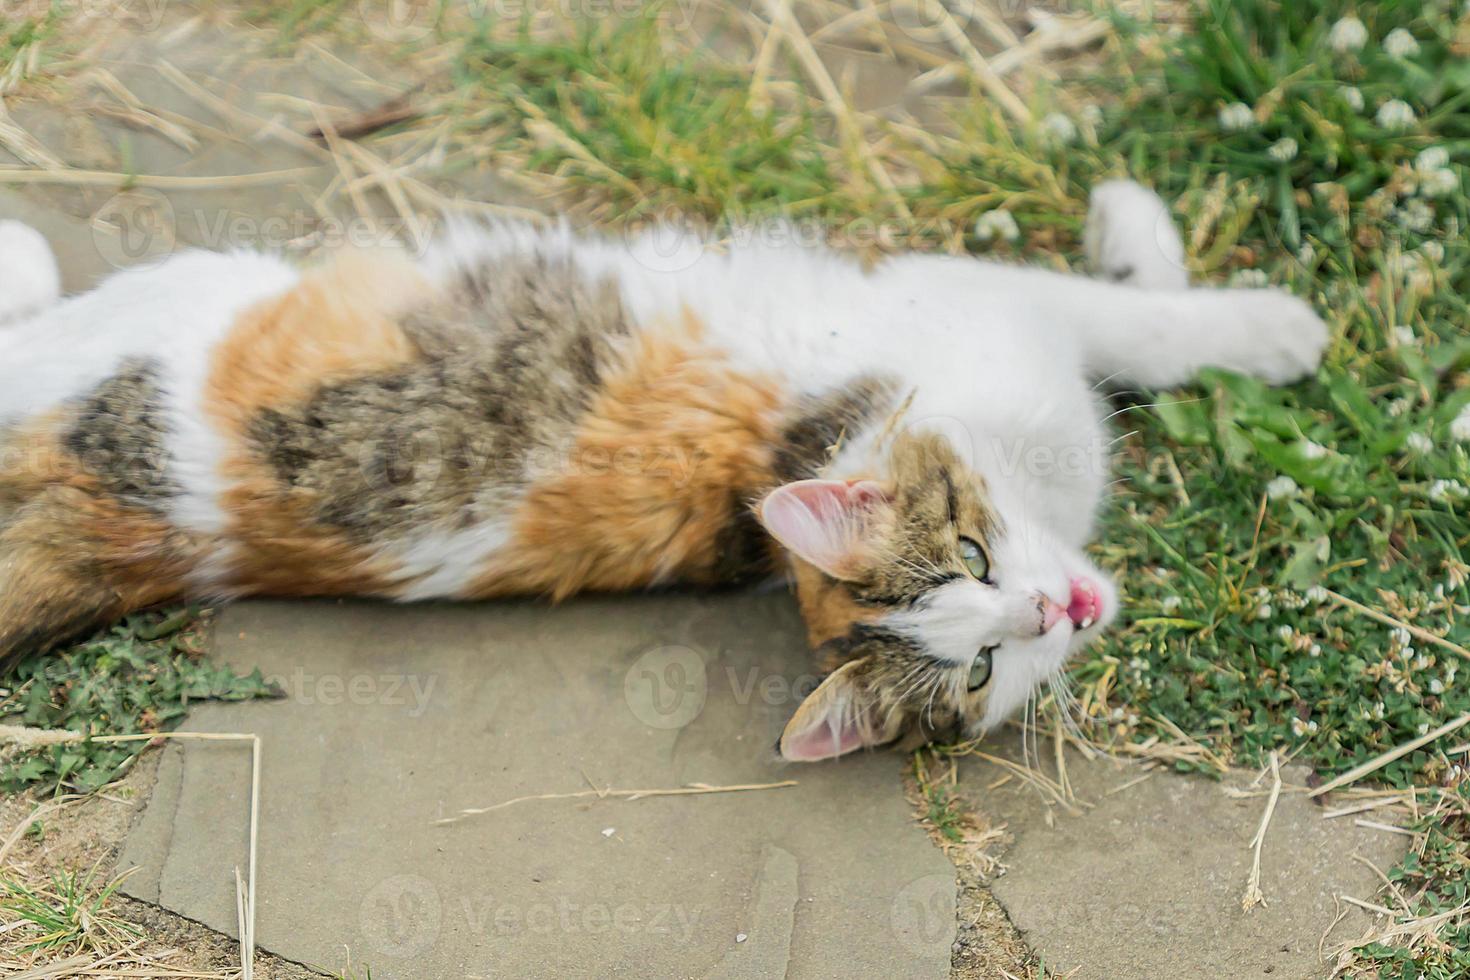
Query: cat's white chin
[1020,666]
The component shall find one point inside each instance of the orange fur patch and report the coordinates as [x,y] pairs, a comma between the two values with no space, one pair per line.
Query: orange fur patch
[828,609]
[664,463]
[72,556]
[339,322]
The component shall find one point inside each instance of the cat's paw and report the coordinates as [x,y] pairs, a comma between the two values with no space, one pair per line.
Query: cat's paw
[1284,337]
[1131,239]
[29,278]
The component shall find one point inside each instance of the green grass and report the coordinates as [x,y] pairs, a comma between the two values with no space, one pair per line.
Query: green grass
[649,132]
[1434,881]
[70,913]
[1287,160]
[1227,638]
[138,676]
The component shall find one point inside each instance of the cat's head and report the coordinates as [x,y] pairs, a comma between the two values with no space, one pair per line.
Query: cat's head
[937,607]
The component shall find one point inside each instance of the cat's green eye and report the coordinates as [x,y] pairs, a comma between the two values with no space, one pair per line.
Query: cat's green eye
[980,669]
[974,558]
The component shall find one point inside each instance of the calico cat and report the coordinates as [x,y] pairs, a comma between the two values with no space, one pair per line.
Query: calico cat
[918,446]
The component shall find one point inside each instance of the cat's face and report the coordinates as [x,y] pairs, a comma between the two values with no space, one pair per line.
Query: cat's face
[937,607]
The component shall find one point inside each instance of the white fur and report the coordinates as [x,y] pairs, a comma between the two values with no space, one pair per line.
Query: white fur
[29,278]
[1130,238]
[1003,360]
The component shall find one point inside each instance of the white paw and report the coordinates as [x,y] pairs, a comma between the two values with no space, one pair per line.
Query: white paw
[1283,337]
[1130,238]
[29,278]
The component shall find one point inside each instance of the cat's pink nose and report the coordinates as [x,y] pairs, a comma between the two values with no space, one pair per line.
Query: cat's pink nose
[1085,606]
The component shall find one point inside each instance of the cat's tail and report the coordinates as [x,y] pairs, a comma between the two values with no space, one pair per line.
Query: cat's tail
[29,278]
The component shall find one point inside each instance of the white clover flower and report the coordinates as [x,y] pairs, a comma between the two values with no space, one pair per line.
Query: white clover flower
[1265,611]
[1400,44]
[1436,686]
[1404,335]
[1396,114]
[1460,426]
[1416,216]
[1432,158]
[1281,488]
[1312,450]
[1398,407]
[1348,34]
[1318,594]
[1439,183]
[1171,604]
[1353,97]
[997,224]
[1419,443]
[1283,150]
[1378,710]
[1307,254]
[1284,632]
[1423,728]
[1300,728]
[1059,129]
[1315,650]
[1249,278]
[1433,252]
[1399,637]
[1236,117]
[1447,491]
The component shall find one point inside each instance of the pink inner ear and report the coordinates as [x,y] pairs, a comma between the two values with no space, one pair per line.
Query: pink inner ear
[821,742]
[821,521]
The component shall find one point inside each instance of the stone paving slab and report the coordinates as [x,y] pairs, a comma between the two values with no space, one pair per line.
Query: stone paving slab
[396,717]
[1147,883]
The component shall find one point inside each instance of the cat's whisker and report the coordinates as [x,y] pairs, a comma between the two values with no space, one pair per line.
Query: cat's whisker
[1130,408]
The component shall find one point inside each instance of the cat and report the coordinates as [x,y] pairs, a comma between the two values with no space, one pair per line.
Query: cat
[919,447]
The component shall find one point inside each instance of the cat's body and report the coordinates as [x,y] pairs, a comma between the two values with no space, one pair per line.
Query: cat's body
[526,412]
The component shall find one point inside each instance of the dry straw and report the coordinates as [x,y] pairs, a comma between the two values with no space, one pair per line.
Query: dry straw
[30,738]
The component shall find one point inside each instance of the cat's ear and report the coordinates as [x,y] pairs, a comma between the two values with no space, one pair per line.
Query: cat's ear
[835,719]
[824,522]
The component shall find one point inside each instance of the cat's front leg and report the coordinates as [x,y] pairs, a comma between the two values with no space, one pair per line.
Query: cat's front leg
[29,278]
[1156,331]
